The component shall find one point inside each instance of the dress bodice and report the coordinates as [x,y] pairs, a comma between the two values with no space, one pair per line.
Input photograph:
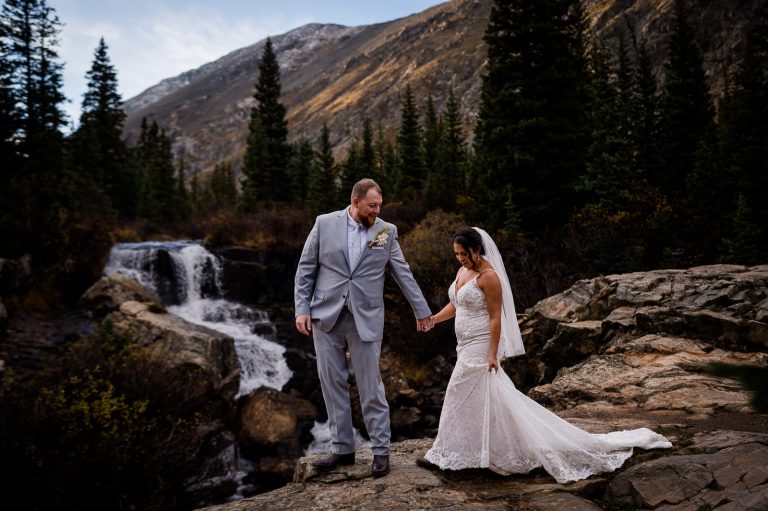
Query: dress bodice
[472,324]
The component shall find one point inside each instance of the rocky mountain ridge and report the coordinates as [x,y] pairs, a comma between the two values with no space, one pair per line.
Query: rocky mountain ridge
[341,75]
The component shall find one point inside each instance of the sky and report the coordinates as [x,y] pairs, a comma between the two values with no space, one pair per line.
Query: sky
[149,40]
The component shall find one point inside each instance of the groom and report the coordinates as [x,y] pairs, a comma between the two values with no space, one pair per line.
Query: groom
[339,298]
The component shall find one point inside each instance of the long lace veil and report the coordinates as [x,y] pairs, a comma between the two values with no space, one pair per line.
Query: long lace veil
[511,342]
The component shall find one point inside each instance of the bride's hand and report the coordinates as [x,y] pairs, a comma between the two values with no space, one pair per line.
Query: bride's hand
[493,364]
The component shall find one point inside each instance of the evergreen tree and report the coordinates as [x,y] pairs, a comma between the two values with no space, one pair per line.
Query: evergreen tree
[452,155]
[97,150]
[256,182]
[687,114]
[221,190]
[158,187]
[368,152]
[609,178]
[410,172]
[350,171]
[385,161]
[643,107]
[745,243]
[431,144]
[30,31]
[322,192]
[268,152]
[531,136]
[8,117]
[744,132]
[299,168]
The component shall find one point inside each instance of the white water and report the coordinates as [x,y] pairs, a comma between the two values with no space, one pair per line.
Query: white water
[195,287]
[321,442]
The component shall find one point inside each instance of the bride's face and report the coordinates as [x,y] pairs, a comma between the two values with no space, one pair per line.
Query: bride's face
[463,256]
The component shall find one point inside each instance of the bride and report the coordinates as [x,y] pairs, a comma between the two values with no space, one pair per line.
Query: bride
[485,421]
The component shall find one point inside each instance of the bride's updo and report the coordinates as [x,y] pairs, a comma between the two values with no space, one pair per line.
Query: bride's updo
[470,240]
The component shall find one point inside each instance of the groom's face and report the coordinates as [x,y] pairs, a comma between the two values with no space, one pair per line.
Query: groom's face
[366,210]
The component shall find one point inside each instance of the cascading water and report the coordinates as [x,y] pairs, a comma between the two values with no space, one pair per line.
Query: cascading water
[187,278]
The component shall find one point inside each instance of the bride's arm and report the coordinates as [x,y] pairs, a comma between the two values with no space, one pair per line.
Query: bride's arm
[446,313]
[489,283]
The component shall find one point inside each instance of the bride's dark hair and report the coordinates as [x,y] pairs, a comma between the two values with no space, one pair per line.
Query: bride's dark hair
[469,239]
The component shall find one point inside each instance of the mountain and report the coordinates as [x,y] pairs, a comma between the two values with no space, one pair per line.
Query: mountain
[341,75]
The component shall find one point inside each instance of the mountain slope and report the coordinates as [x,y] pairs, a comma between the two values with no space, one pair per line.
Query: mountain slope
[341,75]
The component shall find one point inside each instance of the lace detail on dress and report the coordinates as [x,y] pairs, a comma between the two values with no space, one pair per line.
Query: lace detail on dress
[487,423]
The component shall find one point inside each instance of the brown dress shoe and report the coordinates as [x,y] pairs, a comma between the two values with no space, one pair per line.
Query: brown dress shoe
[334,460]
[380,465]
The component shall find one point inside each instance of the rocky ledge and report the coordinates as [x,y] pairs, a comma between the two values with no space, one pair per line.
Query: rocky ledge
[723,470]
[610,353]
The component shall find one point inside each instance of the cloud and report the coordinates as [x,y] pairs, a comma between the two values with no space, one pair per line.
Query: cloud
[160,42]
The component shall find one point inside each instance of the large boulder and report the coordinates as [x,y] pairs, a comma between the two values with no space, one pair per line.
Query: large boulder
[273,426]
[110,292]
[727,470]
[182,344]
[725,306]
[654,373]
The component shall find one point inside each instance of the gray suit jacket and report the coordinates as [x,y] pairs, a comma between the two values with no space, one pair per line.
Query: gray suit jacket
[323,277]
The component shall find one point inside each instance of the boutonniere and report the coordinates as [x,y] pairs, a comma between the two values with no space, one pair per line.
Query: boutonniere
[381,238]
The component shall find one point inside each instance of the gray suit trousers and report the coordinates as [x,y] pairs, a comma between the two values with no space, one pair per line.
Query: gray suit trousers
[332,368]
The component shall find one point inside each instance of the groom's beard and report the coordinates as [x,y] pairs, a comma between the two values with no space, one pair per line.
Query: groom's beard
[365,221]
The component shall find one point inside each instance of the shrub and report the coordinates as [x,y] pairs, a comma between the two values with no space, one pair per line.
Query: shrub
[107,427]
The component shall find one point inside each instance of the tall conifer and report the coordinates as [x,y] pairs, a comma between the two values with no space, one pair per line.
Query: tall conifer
[267,152]
[411,172]
[322,193]
[531,135]
[97,149]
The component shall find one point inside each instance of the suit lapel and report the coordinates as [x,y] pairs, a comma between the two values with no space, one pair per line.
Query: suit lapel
[341,231]
[369,238]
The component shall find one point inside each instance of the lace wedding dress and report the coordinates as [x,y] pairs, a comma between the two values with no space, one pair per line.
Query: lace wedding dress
[487,423]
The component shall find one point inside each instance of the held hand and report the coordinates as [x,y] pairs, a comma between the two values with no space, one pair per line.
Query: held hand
[304,324]
[425,324]
[493,364]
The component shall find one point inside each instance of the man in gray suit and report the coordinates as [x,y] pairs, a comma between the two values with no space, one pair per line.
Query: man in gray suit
[339,299]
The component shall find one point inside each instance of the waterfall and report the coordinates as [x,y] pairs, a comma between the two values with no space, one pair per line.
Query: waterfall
[187,278]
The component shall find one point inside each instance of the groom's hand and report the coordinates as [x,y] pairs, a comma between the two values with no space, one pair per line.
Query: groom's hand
[425,324]
[304,324]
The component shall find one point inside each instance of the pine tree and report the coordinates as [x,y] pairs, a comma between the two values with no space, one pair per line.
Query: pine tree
[410,173]
[687,114]
[368,152]
[8,118]
[221,190]
[322,193]
[744,130]
[30,31]
[531,134]
[350,171]
[256,182]
[268,152]
[645,111]
[97,150]
[453,154]
[431,143]
[609,178]
[158,188]
[299,168]
[385,161]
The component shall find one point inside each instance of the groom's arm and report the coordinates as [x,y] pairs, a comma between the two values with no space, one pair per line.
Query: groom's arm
[404,278]
[306,273]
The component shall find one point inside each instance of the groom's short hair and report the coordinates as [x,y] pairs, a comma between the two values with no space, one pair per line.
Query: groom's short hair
[361,188]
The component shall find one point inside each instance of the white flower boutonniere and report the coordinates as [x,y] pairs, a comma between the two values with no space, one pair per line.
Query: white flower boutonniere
[381,238]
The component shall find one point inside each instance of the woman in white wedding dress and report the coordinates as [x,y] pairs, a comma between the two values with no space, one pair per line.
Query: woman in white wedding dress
[485,421]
